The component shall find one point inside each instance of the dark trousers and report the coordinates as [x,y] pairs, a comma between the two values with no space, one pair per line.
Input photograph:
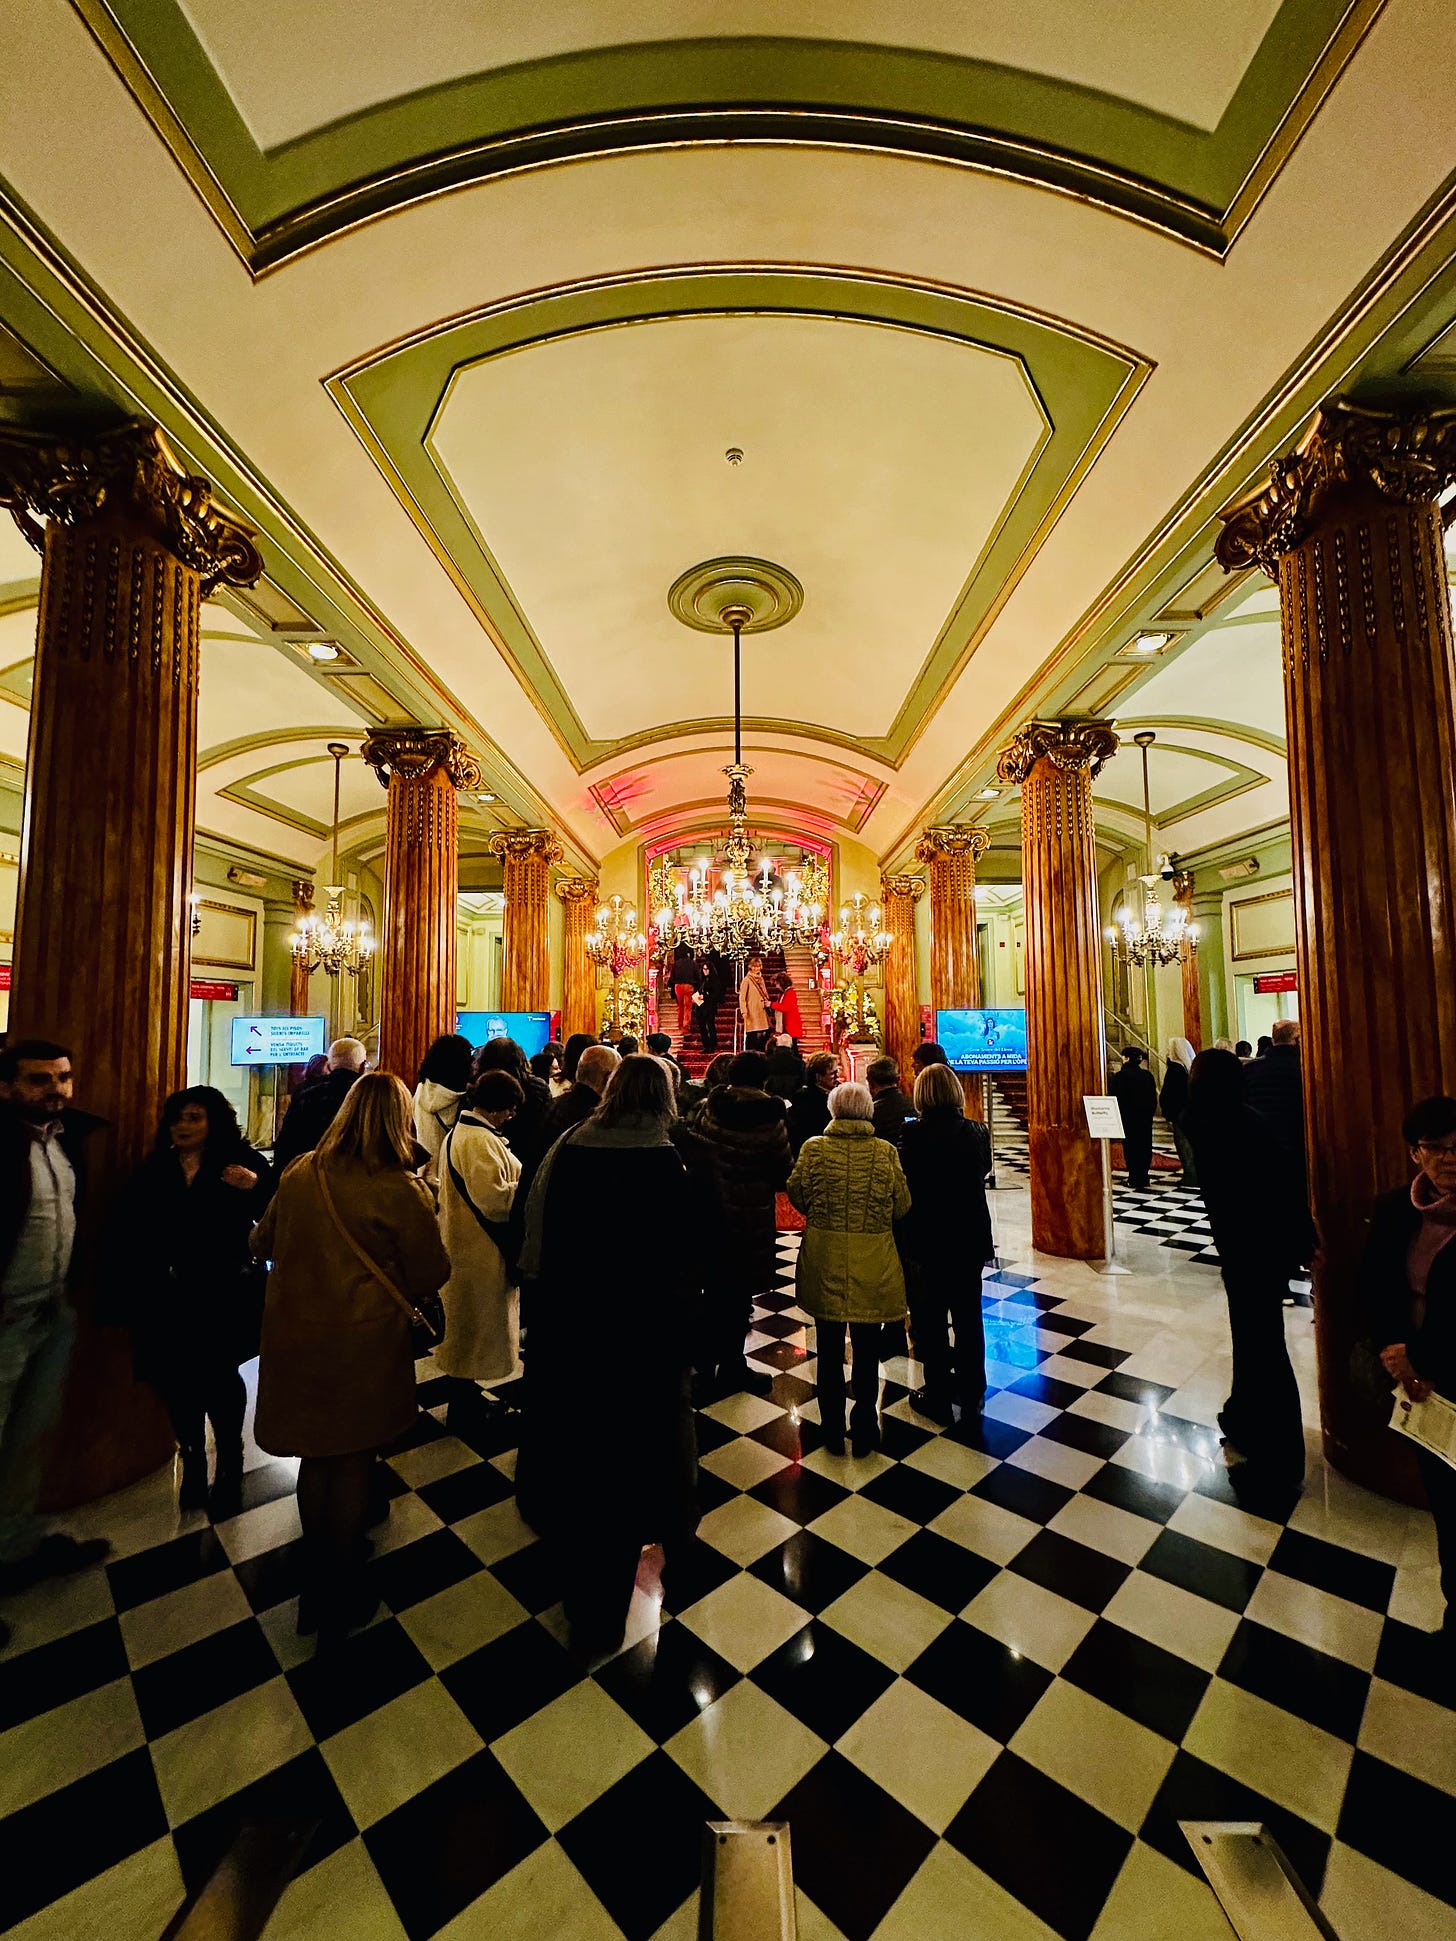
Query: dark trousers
[1440,1481]
[216,1394]
[334,1506]
[756,1040]
[943,1299]
[1137,1153]
[1262,1414]
[708,1024]
[864,1342]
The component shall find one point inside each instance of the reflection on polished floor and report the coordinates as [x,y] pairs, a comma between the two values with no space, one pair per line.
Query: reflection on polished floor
[983,1673]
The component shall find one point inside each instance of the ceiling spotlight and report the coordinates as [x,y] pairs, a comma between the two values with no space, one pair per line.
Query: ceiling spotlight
[734,454]
[322,650]
[485,795]
[1150,643]
[988,794]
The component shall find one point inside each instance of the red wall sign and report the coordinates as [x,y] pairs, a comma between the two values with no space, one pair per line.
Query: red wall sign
[1272,981]
[210,987]
[4,977]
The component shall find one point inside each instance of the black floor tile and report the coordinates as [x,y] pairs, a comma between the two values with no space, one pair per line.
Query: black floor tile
[1081,1432]
[361,1673]
[782,1355]
[711,1434]
[476,1487]
[910,1493]
[303,1789]
[77,1832]
[37,1681]
[1421,1661]
[823,1679]
[944,1572]
[1046,1388]
[1055,1853]
[270,1482]
[273,1577]
[809,1570]
[417,1570]
[1199,1567]
[697,1568]
[1192,1790]
[713,1492]
[423,1429]
[778,1325]
[1403,1824]
[1058,1563]
[446,1846]
[165,1567]
[1095,1354]
[1309,1683]
[1065,1324]
[801,1494]
[980,1678]
[1127,1490]
[898,1438]
[791,1391]
[1153,1686]
[1024,1493]
[530,1575]
[510,1679]
[787,1436]
[1330,1567]
[1132,1388]
[664,1682]
[991,1437]
[855,1848]
[203,1676]
[639,1847]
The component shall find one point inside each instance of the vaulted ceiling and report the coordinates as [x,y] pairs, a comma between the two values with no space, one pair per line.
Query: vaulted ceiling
[466,307]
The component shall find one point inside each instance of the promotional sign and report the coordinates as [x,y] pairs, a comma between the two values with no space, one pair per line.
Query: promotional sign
[1104,1115]
[983,1041]
[530,1029]
[4,977]
[277,1041]
[1267,982]
[212,987]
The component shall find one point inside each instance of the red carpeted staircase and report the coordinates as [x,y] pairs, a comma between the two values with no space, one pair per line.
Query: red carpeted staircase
[800,960]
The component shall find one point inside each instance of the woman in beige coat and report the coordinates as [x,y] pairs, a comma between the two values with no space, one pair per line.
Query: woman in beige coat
[354,1246]
[479,1175]
[850,1188]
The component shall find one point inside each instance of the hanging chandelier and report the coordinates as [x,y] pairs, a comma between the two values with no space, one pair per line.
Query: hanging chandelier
[333,942]
[616,944]
[861,940]
[1151,934]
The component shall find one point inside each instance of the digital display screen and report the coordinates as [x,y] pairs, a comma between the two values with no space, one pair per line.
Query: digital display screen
[277,1041]
[983,1041]
[530,1029]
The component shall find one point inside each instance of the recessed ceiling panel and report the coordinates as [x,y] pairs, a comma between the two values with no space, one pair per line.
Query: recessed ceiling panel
[1230,673]
[876,464]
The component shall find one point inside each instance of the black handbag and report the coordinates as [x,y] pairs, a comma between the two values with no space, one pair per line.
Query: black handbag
[497,1231]
[427,1319]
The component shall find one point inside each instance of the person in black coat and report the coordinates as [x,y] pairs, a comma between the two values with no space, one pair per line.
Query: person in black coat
[1246,1175]
[196,1295]
[712,982]
[1276,1089]
[314,1107]
[945,1241]
[785,1071]
[594,1069]
[745,1126]
[1408,1284]
[809,1107]
[1137,1097]
[1173,1103]
[893,1108]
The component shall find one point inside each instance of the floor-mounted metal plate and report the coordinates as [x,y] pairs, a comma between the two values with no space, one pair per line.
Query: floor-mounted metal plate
[1259,1891]
[748,1882]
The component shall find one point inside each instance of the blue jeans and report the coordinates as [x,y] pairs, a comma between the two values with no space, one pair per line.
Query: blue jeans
[36,1341]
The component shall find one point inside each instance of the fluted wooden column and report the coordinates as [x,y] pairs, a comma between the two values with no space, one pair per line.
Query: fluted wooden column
[1349,525]
[950,853]
[1192,989]
[578,972]
[131,547]
[421,768]
[898,897]
[1055,762]
[526,857]
[298,972]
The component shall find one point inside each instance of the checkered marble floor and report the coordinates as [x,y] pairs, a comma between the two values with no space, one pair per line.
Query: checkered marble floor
[983,1673]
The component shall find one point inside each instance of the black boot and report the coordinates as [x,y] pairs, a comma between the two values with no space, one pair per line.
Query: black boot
[226,1498]
[864,1430]
[192,1490]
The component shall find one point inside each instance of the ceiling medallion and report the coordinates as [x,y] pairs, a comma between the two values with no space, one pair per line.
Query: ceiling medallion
[709,596]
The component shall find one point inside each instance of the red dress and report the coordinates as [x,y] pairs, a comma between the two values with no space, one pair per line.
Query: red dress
[787,1002]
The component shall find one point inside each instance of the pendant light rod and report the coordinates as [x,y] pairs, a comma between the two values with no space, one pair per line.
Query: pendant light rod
[737,690]
[1145,741]
[338,749]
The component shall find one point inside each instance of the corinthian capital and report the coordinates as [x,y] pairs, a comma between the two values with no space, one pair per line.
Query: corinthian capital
[1067,745]
[134,470]
[526,845]
[415,753]
[576,889]
[952,840]
[1408,457]
[904,887]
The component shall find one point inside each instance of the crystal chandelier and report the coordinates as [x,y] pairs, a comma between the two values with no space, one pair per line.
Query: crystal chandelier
[861,939]
[333,942]
[616,944]
[1151,935]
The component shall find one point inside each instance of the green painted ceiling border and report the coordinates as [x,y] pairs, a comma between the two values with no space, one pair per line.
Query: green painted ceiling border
[1083,385]
[1208,725]
[54,307]
[1239,779]
[1403,303]
[1193,184]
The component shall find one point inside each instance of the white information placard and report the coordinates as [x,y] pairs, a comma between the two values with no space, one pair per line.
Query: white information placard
[1104,1115]
[276,1041]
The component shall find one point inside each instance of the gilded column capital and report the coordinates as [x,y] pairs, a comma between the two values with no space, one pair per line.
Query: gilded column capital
[416,753]
[525,845]
[1068,745]
[76,479]
[1408,457]
[576,889]
[952,841]
[902,887]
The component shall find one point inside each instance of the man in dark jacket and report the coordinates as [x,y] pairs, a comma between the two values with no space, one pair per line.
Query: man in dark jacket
[892,1106]
[809,1107]
[1137,1096]
[593,1069]
[42,1173]
[1274,1086]
[750,1141]
[316,1106]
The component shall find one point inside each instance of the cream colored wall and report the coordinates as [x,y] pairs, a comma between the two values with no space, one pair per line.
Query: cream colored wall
[855,868]
[621,874]
[477,960]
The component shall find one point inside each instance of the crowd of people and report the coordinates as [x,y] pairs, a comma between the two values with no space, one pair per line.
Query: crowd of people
[471,1220]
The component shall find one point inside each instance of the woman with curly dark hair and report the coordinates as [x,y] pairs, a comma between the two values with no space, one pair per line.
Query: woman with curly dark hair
[196,1296]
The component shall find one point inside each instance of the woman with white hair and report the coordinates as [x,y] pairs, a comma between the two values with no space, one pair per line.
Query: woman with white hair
[850,1188]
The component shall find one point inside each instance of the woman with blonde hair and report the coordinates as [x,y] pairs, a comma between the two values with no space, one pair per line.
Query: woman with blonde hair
[850,1188]
[355,1250]
[946,1242]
